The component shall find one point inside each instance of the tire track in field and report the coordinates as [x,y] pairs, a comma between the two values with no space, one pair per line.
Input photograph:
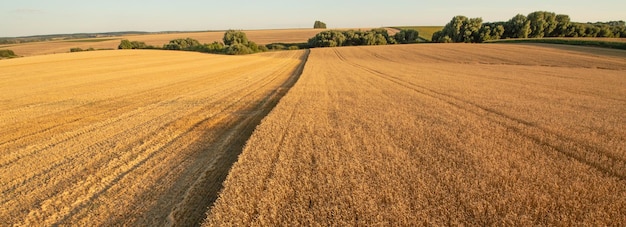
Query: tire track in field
[281,141]
[594,157]
[169,115]
[111,107]
[150,150]
[189,211]
[231,83]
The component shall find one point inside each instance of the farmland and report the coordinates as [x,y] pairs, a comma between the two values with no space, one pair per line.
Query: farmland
[482,134]
[137,137]
[259,36]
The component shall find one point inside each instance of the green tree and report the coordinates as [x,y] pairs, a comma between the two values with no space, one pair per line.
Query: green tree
[182,44]
[7,54]
[138,45]
[353,38]
[214,47]
[319,25]
[232,37]
[460,29]
[562,26]
[238,49]
[405,36]
[383,32]
[542,24]
[125,44]
[517,27]
[490,31]
[328,39]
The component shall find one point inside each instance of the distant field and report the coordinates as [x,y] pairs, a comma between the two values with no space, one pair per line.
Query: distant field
[128,138]
[94,40]
[425,32]
[436,135]
[258,36]
[616,43]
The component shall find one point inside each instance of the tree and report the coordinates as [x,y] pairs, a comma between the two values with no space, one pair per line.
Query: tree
[490,31]
[405,36]
[385,34]
[238,49]
[182,44]
[542,24]
[517,27]
[125,44]
[460,29]
[562,26]
[235,37]
[319,25]
[7,54]
[328,39]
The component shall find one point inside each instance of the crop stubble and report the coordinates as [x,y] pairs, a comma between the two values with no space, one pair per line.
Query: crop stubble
[439,135]
[258,36]
[127,137]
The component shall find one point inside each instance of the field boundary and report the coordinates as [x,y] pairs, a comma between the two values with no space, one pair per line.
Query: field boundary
[199,198]
[574,42]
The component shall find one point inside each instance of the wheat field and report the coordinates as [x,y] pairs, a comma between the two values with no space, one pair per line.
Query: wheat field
[136,137]
[439,134]
[258,36]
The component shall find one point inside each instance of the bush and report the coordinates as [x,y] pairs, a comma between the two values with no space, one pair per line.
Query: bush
[126,44]
[263,49]
[275,46]
[182,44]
[294,48]
[238,49]
[328,39]
[214,47]
[7,54]
[78,49]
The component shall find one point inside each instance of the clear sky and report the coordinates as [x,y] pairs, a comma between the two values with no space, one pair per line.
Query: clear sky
[38,17]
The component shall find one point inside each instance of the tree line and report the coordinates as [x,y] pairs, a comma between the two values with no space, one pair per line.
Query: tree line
[378,36]
[535,25]
[237,43]
[234,43]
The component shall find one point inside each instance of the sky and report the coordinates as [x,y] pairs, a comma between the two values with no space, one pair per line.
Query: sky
[40,17]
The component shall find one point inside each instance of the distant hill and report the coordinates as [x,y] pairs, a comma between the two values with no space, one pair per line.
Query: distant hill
[55,37]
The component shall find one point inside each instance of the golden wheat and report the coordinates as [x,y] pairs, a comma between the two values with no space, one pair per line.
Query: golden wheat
[258,36]
[126,137]
[433,134]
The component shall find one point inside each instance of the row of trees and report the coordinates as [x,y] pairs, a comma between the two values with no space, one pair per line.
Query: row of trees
[378,36]
[536,25]
[234,43]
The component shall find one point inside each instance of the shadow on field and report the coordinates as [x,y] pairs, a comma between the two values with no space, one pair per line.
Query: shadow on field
[600,51]
[201,196]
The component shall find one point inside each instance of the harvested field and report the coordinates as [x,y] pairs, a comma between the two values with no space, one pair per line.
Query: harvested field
[137,137]
[439,134]
[258,36]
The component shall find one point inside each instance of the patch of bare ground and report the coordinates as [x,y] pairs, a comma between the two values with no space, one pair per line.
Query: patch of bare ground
[128,137]
[438,134]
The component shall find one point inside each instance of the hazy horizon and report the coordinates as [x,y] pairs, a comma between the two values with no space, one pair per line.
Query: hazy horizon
[38,17]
